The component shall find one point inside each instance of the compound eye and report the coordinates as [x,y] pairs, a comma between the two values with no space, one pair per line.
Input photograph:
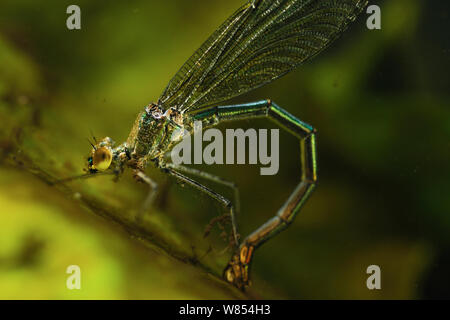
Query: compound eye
[101,159]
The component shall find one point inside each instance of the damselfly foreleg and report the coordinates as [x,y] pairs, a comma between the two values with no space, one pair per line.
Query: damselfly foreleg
[218,180]
[227,204]
[237,270]
[150,196]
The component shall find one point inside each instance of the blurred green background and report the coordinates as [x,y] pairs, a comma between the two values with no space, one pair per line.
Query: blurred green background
[379,100]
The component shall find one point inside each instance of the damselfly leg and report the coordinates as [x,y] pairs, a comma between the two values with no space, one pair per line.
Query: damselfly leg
[150,196]
[235,207]
[237,270]
[227,204]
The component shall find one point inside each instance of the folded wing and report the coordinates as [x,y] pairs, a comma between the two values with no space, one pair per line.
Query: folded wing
[260,42]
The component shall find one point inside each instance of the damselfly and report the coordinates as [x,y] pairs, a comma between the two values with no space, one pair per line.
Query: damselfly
[260,42]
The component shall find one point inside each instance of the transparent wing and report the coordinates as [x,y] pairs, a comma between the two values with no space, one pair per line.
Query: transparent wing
[260,42]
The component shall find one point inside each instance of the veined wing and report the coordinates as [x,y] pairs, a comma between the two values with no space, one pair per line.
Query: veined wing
[260,42]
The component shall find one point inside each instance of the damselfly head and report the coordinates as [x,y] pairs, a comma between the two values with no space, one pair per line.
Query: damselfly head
[101,156]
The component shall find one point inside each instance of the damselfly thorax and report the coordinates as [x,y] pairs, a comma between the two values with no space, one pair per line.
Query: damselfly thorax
[152,135]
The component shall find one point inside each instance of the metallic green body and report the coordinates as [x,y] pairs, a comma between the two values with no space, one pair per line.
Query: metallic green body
[260,42]
[152,138]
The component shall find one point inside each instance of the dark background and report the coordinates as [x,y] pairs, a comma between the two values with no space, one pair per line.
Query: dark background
[379,100]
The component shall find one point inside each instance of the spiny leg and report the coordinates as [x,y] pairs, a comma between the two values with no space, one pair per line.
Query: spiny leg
[150,196]
[210,177]
[82,176]
[216,196]
[237,270]
[219,180]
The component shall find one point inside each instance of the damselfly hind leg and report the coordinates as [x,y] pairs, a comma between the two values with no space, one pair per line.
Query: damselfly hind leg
[175,171]
[237,271]
[234,208]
